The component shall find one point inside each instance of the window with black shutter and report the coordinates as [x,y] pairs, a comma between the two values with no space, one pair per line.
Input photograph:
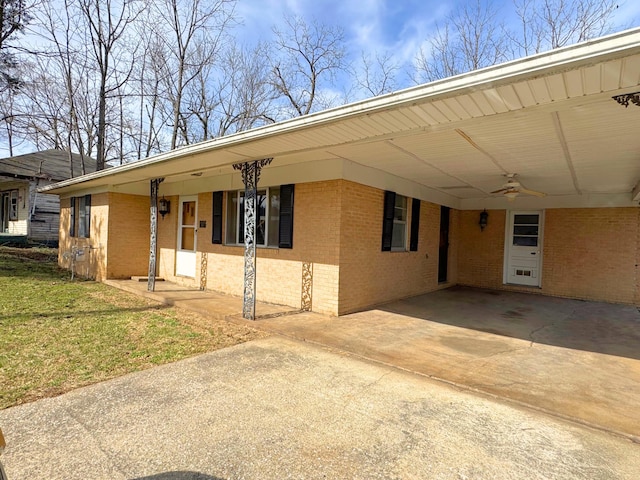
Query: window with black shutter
[217,217]
[415,225]
[394,222]
[286,216]
[72,217]
[387,220]
[274,217]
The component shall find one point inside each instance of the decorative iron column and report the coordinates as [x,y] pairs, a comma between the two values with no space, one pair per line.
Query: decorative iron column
[250,176]
[151,283]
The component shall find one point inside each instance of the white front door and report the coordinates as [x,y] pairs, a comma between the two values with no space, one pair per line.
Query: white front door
[523,248]
[187,237]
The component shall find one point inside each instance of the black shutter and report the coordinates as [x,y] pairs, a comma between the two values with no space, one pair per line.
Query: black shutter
[216,236]
[387,220]
[415,225]
[285,233]
[87,215]
[72,217]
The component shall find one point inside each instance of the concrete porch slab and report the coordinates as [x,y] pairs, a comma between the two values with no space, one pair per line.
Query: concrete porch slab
[208,303]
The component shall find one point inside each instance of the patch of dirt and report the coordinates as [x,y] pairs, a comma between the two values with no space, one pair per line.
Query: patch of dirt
[38,254]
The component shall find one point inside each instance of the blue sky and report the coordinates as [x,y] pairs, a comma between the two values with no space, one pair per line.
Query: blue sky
[399,27]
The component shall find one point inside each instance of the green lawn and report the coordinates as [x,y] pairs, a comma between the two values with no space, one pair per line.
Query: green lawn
[56,335]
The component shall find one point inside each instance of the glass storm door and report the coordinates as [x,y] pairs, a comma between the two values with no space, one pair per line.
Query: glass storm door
[523,248]
[187,237]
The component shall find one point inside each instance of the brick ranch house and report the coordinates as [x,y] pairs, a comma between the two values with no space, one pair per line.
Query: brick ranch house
[384,198]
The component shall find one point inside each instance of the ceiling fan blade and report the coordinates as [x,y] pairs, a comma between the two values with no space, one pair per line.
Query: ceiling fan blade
[533,192]
[502,190]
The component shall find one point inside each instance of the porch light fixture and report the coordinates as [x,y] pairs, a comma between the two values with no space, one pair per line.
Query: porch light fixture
[625,98]
[164,206]
[484,217]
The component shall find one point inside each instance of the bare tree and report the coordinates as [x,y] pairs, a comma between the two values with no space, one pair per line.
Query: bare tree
[8,114]
[108,22]
[246,97]
[14,17]
[193,34]
[149,78]
[549,24]
[377,73]
[472,38]
[309,53]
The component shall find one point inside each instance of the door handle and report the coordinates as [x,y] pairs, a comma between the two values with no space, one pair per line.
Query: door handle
[534,253]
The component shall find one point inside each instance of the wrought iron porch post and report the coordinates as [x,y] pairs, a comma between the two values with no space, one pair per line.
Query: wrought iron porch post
[250,176]
[151,283]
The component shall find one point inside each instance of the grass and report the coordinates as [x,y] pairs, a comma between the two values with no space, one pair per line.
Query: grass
[57,335]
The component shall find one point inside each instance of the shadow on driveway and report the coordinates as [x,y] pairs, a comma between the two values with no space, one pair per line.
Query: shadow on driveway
[576,359]
[179,476]
[589,326]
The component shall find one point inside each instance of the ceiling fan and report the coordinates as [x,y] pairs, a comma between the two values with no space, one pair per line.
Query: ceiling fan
[512,188]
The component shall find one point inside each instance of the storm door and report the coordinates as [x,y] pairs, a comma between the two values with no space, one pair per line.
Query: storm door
[187,237]
[523,248]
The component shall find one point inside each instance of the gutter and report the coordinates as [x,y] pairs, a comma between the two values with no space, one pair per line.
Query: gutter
[555,61]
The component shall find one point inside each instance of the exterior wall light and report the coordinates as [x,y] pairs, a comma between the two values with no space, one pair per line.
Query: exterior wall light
[164,206]
[484,217]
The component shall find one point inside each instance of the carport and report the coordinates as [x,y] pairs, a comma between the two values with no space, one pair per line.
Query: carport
[575,359]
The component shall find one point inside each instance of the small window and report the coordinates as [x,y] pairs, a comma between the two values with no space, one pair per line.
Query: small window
[525,230]
[399,235]
[394,223]
[80,216]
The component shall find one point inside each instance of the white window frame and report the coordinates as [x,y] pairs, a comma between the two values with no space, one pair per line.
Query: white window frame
[399,223]
[83,217]
[14,206]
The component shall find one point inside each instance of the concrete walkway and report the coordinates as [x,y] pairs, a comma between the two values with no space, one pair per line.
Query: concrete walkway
[282,409]
[577,360]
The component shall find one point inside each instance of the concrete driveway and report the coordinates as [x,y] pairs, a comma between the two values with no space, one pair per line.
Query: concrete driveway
[575,359]
[281,409]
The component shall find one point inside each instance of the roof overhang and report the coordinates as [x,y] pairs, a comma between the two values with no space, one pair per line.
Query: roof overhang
[550,118]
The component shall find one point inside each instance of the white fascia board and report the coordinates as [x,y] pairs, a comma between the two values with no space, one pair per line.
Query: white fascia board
[571,57]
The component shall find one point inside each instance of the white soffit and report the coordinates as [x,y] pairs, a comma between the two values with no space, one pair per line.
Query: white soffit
[550,118]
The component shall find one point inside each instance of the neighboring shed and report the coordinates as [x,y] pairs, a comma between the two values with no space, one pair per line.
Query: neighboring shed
[26,214]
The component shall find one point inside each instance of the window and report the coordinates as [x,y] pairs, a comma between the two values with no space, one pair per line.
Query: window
[399,232]
[13,205]
[525,230]
[80,216]
[394,223]
[274,217]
